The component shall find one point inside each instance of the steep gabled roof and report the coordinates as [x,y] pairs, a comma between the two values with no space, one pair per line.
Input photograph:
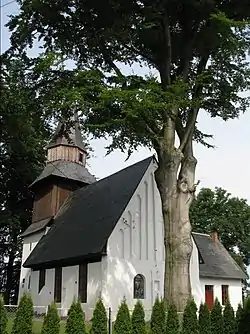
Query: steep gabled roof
[66,169]
[217,262]
[87,220]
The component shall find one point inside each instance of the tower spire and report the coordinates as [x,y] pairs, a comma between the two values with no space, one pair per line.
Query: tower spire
[68,135]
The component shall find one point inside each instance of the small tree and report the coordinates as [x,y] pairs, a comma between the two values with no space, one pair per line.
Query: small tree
[158,317]
[51,324]
[24,316]
[244,324]
[3,317]
[75,321]
[138,319]
[229,319]
[172,323]
[123,322]
[216,318]
[239,315]
[100,319]
[204,319]
[190,321]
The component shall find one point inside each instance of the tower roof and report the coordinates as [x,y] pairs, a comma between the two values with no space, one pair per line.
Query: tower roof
[68,137]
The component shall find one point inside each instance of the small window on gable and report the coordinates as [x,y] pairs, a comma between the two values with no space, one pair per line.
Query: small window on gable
[80,157]
[224,294]
[29,283]
[139,287]
[42,277]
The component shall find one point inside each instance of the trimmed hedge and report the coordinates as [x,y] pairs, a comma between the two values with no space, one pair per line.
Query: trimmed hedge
[100,319]
[229,319]
[138,319]
[216,318]
[3,317]
[51,324]
[24,316]
[158,317]
[190,321]
[123,322]
[204,319]
[172,323]
[75,322]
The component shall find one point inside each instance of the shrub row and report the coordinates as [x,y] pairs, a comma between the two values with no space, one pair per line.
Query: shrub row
[164,319]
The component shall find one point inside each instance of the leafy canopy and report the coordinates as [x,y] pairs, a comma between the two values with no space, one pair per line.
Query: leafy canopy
[197,49]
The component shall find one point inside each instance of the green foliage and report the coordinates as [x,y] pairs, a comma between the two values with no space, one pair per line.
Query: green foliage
[216,318]
[216,210]
[23,133]
[100,319]
[244,324]
[172,323]
[238,318]
[138,319]
[75,321]
[51,324]
[158,317]
[229,319]
[24,316]
[190,322]
[3,317]
[122,323]
[204,319]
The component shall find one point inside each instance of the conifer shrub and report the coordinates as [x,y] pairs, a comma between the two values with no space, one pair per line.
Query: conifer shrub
[51,324]
[122,323]
[238,317]
[190,321]
[204,319]
[75,322]
[3,317]
[158,317]
[138,319]
[100,319]
[244,324]
[24,316]
[172,322]
[229,319]
[216,318]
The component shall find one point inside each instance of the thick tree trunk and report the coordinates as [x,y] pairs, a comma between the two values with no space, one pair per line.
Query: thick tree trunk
[175,181]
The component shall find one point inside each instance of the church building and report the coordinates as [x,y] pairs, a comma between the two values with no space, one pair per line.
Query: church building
[91,239]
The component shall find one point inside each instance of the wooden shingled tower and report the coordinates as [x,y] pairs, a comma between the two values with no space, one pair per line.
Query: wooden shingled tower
[65,171]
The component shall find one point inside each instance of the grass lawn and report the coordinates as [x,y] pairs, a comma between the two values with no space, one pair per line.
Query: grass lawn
[37,326]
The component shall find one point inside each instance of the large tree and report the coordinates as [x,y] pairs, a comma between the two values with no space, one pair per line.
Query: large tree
[23,132]
[198,50]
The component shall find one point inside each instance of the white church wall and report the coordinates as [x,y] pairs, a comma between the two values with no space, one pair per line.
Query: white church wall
[136,247]
[234,289]
[29,243]
[70,281]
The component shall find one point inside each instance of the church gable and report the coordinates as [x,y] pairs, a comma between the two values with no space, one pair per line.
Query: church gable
[87,220]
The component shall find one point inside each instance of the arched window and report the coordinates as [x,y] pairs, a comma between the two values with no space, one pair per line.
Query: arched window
[139,287]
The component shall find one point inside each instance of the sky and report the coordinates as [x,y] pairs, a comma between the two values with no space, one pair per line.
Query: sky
[226,166]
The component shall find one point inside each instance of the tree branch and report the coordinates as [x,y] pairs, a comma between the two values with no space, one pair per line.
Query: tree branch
[109,61]
[167,35]
[192,117]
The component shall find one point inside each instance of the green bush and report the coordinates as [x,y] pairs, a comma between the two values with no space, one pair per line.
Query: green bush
[239,315]
[24,316]
[123,322]
[244,324]
[229,319]
[75,322]
[138,319]
[3,317]
[204,319]
[216,318]
[51,324]
[190,321]
[158,317]
[172,323]
[100,319]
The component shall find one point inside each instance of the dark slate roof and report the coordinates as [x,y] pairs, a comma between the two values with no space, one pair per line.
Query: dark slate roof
[72,138]
[87,220]
[217,261]
[68,170]
[37,226]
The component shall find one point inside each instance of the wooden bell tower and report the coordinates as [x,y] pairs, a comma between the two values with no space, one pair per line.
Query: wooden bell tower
[65,171]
